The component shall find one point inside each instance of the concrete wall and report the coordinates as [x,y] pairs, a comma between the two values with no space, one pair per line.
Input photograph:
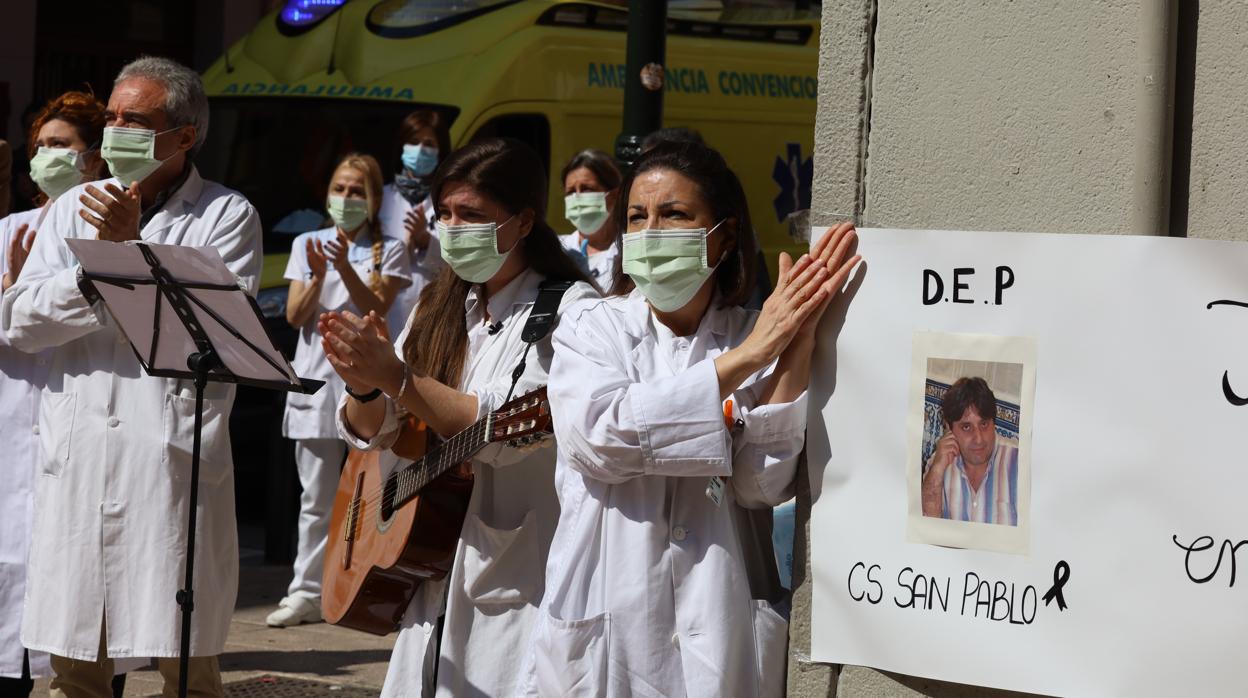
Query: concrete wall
[1002,116]
[1021,116]
[1218,186]
[840,137]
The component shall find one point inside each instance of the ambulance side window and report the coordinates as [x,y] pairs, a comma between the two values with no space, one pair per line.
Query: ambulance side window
[533,129]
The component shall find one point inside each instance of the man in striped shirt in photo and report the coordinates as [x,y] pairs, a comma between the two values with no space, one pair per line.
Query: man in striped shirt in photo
[970,476]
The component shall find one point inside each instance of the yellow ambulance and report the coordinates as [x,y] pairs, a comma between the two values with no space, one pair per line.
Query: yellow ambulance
[317,78]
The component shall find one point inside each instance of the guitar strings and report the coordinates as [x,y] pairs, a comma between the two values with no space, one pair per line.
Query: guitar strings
[422,467]
[418,474]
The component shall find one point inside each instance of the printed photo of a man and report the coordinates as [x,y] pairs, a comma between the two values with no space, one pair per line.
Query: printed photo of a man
[971,475]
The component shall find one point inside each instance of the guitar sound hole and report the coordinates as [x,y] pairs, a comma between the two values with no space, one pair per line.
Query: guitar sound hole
[388,494]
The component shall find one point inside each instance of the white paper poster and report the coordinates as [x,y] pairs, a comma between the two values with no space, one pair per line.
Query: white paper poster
[1027,454]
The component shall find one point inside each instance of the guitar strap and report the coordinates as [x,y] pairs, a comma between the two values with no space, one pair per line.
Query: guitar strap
[541,320]
[545,310]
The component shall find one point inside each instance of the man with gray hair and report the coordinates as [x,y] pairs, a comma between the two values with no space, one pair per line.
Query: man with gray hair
[108,553]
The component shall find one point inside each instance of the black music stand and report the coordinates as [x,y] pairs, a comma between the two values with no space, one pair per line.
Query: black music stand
[215,333]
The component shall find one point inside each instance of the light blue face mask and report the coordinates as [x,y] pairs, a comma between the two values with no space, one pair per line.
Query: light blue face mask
[421,160]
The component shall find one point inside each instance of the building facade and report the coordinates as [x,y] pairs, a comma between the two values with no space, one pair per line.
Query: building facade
[1111,116]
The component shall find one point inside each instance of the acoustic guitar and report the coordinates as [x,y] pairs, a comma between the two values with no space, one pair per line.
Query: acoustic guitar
[387,536]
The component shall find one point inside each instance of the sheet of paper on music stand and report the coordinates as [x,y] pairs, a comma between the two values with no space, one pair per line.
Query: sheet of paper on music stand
[134,308]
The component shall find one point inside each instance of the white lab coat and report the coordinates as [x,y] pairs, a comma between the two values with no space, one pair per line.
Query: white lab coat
[312,416]
[646,588]
[423,266]
[600,267]
[111,498]
[21,377]
[495,585]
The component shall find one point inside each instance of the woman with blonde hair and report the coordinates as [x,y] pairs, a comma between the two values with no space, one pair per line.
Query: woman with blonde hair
[348,266]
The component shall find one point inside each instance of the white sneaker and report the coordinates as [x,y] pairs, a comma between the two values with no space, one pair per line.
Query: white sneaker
[294,610]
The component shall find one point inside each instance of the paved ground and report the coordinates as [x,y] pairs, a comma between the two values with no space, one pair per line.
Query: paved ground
[322,653]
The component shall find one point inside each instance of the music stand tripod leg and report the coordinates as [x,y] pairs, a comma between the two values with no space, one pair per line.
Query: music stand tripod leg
[201,364]
[205,364]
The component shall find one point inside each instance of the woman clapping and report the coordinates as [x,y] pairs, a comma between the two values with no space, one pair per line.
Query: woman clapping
[451,366]
[674,407]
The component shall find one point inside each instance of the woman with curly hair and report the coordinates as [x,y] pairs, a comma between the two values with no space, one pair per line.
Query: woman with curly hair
[64,152]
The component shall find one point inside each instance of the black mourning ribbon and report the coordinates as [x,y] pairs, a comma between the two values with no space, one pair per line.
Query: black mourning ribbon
[1061,575]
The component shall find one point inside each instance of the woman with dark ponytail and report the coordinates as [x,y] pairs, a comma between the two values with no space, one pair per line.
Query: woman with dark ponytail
[451,365]
[677,412]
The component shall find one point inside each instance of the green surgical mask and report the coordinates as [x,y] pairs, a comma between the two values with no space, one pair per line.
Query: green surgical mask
[131,152]
[348,214]
[471,249]
[668,266]
[586,210]
[56,170]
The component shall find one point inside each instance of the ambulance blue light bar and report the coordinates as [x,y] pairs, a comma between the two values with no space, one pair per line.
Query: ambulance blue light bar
[298,16]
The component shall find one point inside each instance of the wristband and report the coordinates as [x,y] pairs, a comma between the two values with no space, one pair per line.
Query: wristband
[398,397]
[366,397]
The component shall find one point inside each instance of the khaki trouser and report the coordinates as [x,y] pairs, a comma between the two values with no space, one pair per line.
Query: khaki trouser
[76,678]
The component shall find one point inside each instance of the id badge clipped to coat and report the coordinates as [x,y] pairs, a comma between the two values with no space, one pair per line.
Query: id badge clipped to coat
[715,487]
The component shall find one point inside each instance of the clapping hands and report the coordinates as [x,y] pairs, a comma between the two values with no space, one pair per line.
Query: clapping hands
[19,250]
[417,229]
[803,292]
[360,350]
[115,215]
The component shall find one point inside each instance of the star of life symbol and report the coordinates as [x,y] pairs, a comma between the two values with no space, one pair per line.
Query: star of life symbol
[794,176]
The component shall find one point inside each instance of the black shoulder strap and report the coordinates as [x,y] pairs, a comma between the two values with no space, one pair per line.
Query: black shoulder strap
[541,319]
[545,310]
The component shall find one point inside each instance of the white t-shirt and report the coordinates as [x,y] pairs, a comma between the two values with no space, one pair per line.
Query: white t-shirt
[600,266]
[312,416]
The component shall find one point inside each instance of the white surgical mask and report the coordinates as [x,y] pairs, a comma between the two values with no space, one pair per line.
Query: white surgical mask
[586,210]
[131,152]
[668,266]
[348,214]
[471,249]
[56,170]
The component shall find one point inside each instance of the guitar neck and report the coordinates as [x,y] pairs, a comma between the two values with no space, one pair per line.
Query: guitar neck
[409,481]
